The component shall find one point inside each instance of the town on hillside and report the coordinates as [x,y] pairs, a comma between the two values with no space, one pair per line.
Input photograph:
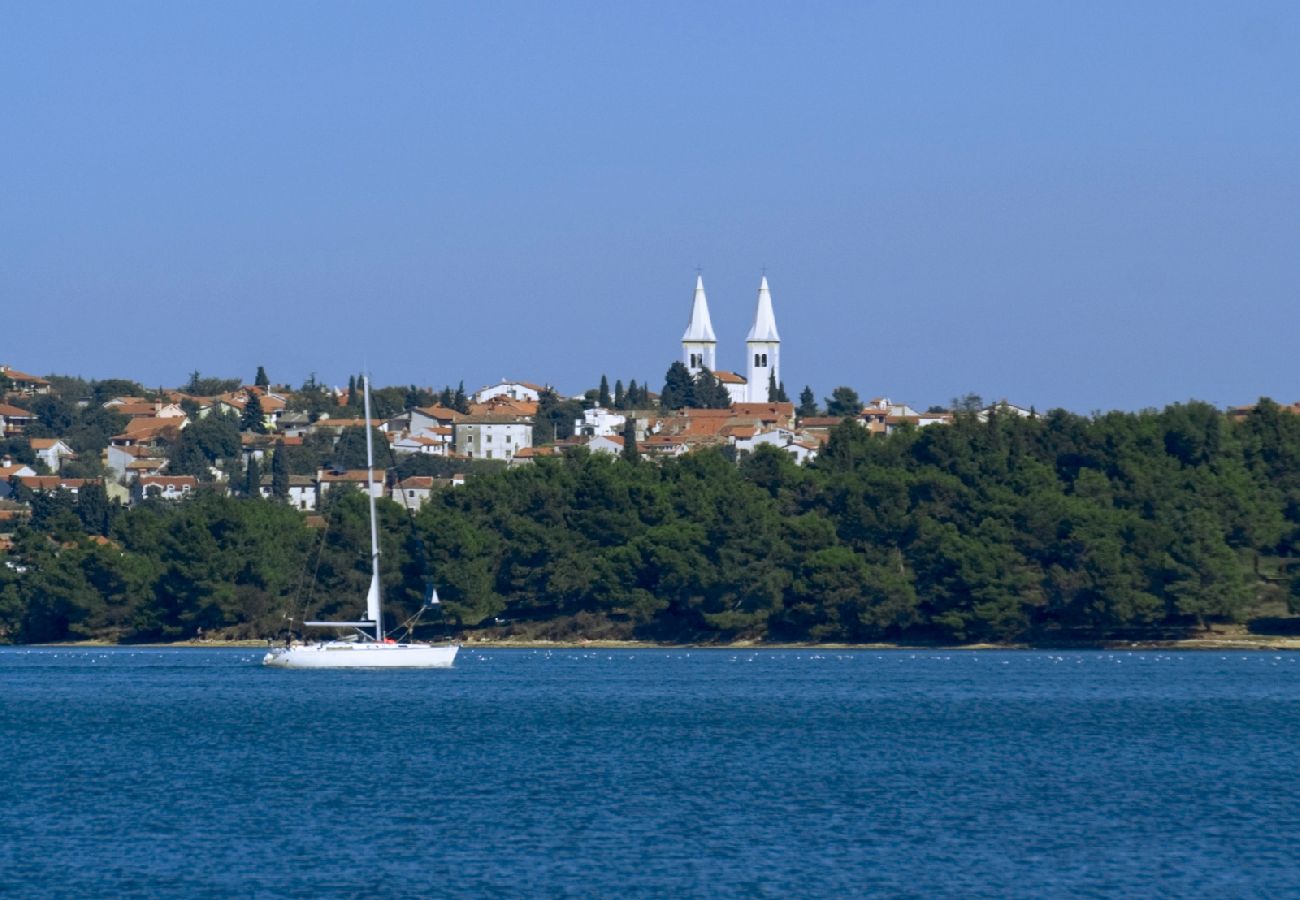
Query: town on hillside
[60,433]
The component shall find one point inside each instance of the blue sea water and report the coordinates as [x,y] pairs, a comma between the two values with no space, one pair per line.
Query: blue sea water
[199,773]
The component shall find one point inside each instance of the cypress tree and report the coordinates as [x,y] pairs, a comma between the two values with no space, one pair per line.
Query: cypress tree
[254,418]
[253,478]
[629,440]
[603,400]
[260,380]
[280,472]
[807,403]
[445,399]
[460,402]
[679,388]
[620,395]
[633,400]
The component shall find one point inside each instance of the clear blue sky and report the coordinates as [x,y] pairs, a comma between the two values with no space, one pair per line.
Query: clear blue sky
[1089,205]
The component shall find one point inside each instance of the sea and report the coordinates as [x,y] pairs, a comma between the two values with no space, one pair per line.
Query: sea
[134,772]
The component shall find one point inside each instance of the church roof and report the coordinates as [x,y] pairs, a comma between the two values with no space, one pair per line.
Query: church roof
[764,319]
[700,329]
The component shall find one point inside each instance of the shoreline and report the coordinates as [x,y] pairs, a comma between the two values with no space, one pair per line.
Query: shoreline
[1225,642]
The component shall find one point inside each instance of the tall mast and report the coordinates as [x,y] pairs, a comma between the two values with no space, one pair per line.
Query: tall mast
[374,609]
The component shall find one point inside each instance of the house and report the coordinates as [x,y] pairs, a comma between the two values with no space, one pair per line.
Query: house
[1003,408]
[528,454]
[599,421]
[302,491]
[148,431]
[52,452]
[44,484]
[492,437]
[611,445]
[13,420]
[273,404]
[437,444]
[504,406]
[135,407]
[9,475]
[415,491]
[327,479]
[515,390]
[800,448]
[736,385]
[22,383]
[662,445]
[128,462]
[163,487]
[1241,413]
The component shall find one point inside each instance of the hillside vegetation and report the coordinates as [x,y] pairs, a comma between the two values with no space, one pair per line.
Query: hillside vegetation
[1057,527]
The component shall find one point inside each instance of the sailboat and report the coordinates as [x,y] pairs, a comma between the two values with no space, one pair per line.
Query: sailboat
[369,648]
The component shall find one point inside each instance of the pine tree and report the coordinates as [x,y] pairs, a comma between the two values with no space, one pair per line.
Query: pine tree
[260,380]
[843,402]
[807,403]
[253,419]
[620,395]
[629,440]
[280,472]
[460,402]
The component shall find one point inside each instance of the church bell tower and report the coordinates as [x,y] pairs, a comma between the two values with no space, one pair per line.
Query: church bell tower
[699,346]
[763,347]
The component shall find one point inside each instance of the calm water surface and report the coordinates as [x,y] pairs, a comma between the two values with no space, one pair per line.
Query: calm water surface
[196,773]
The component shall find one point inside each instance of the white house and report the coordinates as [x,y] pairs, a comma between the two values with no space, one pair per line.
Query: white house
[52,452]
[492,437]
[1003,408]
[515,390]
[599,421]
[302,491]
[326,480]
[11,470]
[23,383]
[608,444]
[128,461]
[425,444]
[782,439]
[13,419]
[163,487]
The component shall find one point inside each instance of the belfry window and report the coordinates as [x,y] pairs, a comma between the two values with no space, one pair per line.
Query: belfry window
[760,360]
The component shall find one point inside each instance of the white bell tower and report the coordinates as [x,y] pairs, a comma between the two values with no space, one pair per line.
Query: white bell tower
[699,346]
[763,347]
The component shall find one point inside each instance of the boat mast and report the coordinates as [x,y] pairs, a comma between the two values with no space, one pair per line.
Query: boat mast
[374,608]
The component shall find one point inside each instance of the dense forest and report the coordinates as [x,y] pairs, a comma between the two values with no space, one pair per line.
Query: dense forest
[1056,527]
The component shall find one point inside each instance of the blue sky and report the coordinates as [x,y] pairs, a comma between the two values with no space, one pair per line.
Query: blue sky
[1089,205]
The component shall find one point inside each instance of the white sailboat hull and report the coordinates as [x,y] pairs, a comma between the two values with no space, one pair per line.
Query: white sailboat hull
[360,655]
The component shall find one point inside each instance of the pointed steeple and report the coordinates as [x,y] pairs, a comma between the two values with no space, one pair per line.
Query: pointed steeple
[763,347]
[699,346]
[764,319]
[700,329]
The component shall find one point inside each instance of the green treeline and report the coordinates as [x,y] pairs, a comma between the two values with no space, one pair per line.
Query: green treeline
[1060,526]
